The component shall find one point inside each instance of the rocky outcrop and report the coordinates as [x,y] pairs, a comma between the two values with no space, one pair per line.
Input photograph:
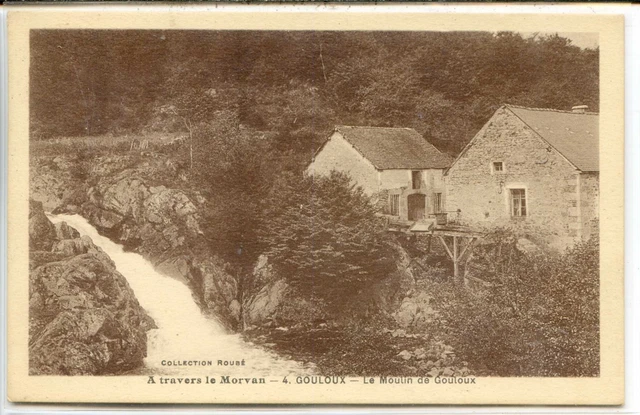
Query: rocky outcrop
[160,223]
[84,318]
[415,311]
[274,302]
[262,307]
[163,225]
[262,302]
[54,179]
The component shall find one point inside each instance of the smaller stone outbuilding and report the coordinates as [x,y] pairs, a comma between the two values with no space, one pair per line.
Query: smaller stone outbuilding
[401,170]
[535,170]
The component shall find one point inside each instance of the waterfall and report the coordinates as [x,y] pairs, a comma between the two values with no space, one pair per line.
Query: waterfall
[183,333]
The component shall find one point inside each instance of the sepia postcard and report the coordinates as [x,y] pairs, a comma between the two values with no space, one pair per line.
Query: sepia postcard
[315,206]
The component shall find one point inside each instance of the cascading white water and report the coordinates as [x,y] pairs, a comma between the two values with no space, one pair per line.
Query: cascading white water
[183,333]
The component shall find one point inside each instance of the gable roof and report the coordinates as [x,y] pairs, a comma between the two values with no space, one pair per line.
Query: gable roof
[394,148]
[574,135]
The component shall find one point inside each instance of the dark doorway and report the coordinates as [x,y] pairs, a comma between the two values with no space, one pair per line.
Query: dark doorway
[416,203]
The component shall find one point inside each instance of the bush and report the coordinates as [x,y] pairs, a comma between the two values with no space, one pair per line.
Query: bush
[541,318]
[82,164]
[322,234]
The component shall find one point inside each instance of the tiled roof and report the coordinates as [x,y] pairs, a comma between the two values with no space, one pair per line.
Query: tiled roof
[394,148]
[574,135]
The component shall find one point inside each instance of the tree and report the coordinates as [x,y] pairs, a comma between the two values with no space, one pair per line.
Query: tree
[323,235]
[297,84]
[191,107]
[233,168]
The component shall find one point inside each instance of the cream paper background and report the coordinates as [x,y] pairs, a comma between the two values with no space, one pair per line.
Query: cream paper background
[607,389]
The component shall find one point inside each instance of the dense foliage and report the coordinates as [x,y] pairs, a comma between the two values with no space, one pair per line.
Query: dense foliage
[298,85]
[540,319]
[234,169]
[322,234]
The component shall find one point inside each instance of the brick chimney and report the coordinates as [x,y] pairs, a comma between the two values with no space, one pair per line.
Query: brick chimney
[580,109]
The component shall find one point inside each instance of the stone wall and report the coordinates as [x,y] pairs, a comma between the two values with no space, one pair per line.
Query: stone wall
[435,184]
[431,182]
[338,154]
[589,206]
[395,179]
[483,196]
[432,179]
[435,179]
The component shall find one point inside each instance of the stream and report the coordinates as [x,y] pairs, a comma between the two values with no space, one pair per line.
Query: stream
[184,334]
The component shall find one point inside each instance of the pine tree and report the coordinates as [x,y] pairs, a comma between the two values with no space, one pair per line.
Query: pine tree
[322,234]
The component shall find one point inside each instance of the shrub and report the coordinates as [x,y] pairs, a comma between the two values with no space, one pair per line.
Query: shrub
[541,318]
[80,168]
[322,234]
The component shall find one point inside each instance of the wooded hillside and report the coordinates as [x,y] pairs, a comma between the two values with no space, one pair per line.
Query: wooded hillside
[298,85]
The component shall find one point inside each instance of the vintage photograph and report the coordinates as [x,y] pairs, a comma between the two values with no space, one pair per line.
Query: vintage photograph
[251,206]
[323,204]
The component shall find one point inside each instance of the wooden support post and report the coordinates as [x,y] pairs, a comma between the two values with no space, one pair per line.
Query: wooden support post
[466,247]
[466,269]
[456,271]
[457,255]
[445,246]
[430,240]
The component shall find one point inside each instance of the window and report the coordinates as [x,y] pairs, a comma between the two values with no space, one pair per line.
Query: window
[498,167]
[394,205]
[437,203]
[416,179]
[518,203]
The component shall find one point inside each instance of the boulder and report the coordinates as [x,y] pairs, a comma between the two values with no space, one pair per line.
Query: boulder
[262,271]
[84,318]
[415,311]
[420,353]
[263,306]
[74,246]
[101,218]
[73,199]
[64,231]
[235,309]
[219,288]
[124,197]
[42,233]
[47,187]
[528,247]
[177,267]
[433,372]
[157,189]
[407,312]
[399,333]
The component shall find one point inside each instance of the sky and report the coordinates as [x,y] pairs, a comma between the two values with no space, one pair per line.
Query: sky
[581,39]
[584,40]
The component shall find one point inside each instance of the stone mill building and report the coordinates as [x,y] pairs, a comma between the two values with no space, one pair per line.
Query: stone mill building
[396,166]
[533,169]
